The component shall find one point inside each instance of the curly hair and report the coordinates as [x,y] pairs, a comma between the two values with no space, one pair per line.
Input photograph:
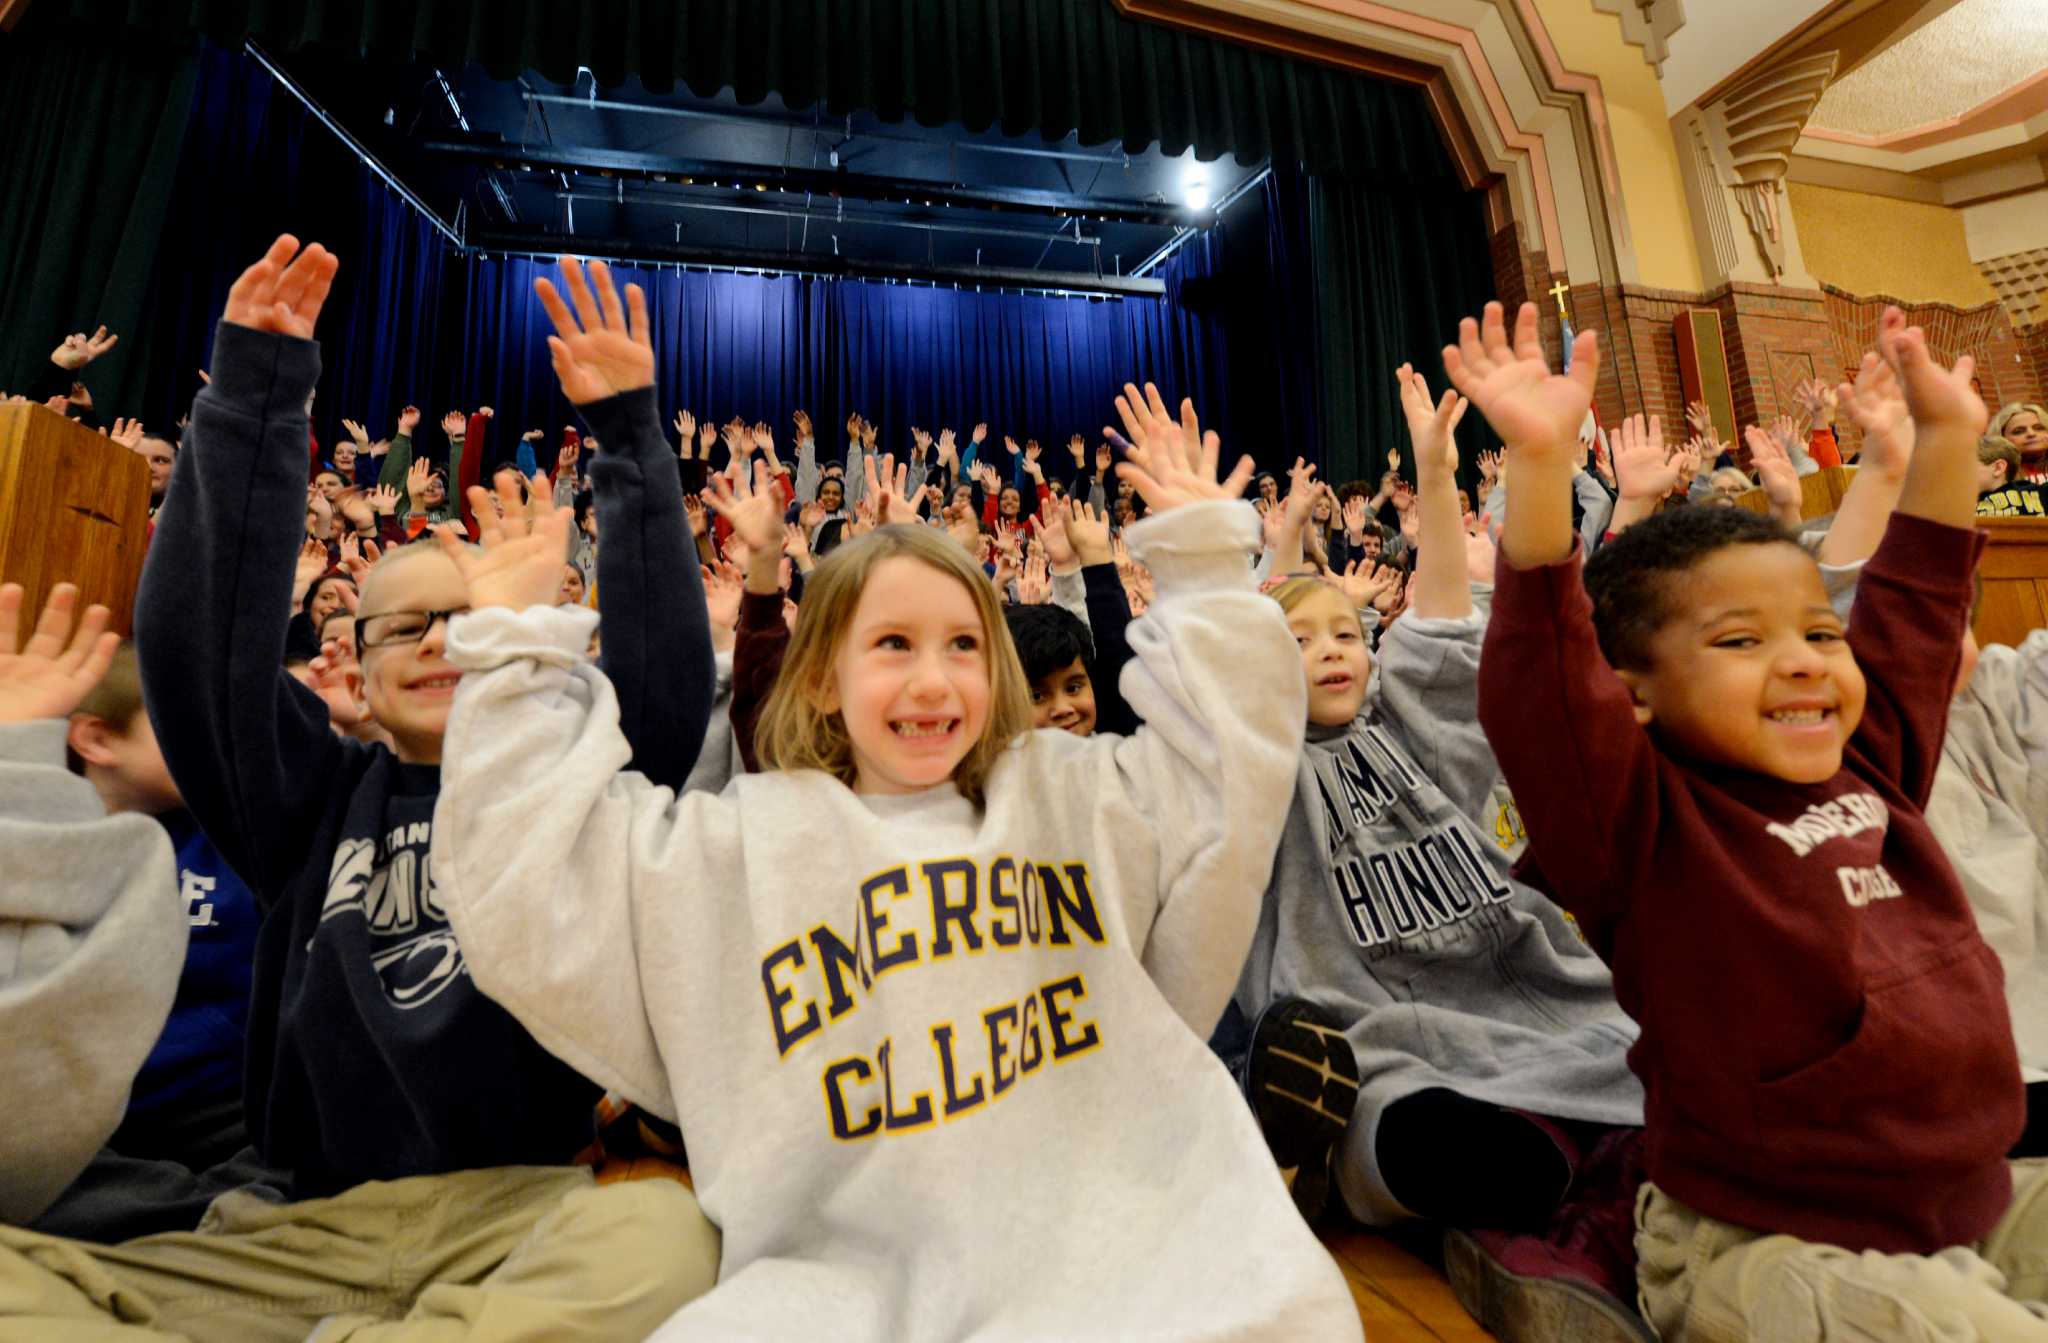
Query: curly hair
[1631,579]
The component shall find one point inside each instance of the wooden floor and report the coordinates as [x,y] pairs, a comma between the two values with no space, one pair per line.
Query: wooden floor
[1402,1297]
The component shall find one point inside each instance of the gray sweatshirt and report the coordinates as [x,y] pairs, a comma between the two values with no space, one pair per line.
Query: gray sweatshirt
[92,939]
[940,1067]
[1989,809]
[1391,905]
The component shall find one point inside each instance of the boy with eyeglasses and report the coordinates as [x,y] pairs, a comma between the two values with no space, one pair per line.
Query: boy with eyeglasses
[426,1133]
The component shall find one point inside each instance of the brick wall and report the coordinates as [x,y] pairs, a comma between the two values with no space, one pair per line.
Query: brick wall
[1776,338]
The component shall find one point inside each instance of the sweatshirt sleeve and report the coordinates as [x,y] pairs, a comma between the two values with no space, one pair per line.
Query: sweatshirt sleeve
[1429,688]
[657,635]
[1563,727]
[1906,630]
[1210,775]
[758,649]
[535,800]
[92,939]
[249,747]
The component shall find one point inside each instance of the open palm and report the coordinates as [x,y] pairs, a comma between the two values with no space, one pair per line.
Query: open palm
[520,562]
[1532,409]
[283,292]
[1169,461]
[601,349]
[49,675]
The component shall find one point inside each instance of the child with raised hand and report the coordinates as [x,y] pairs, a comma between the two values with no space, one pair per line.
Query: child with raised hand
[402,1102]
[90,939]
[1728,792]
[926,986]
[1426,1030]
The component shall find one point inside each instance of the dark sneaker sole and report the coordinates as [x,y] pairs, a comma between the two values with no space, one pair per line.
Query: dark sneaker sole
[1302,1079]
[1520,1309]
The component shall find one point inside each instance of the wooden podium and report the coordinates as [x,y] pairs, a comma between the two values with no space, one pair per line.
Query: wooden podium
[1820,494]
[74,508]
[2014,571]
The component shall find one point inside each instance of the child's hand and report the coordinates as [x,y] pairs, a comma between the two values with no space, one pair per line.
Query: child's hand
[1536,412]
[1354,518]
[356,432]
[382,499]
[1940,400]
[1168,461]
[1430,427]
[1877,406]
[755,514]
[1059,551]
[1363,582]
[416,477]
[1480,553]
[722,588]
[1777,475]
[1087,532]
[525,545]
[1642,467]
[801,420]
[408,420]
[600,350]
[1700,419]
[1301,495]
[283,292]
[454,425]
[895,497]
[54,671]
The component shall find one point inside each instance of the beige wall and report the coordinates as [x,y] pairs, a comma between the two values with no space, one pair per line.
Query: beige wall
[1660,224]
[1720,36]
[2003,227]
[1873,245]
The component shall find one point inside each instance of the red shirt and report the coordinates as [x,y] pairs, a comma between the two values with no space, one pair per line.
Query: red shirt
[1825,1049]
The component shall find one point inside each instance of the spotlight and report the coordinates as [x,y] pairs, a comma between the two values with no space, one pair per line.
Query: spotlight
[1194,185]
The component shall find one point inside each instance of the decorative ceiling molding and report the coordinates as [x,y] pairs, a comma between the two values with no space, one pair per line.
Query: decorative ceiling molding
[1754,128]
[1503,119]
[1648,24]
[2011,107]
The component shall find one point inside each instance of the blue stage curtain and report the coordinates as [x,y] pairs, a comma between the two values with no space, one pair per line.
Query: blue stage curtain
[256,164]
[761,347]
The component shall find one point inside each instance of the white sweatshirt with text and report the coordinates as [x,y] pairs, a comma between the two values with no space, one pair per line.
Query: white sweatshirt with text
[940,1068]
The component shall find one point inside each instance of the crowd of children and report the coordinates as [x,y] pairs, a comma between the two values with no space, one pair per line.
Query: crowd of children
[1645,893]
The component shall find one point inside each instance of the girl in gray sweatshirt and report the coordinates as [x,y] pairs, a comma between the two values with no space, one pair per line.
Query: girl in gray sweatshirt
[1394,938]
[927,995]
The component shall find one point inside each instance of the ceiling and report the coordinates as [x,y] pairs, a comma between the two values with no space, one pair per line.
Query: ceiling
[1957,61]
[535,165]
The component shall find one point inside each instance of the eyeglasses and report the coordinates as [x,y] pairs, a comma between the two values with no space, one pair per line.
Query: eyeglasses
[398,627]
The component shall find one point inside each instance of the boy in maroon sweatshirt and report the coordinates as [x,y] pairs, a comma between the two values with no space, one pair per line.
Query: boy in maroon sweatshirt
[1726,788]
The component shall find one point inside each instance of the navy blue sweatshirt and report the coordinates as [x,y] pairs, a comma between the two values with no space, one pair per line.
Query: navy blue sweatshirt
[372,1055]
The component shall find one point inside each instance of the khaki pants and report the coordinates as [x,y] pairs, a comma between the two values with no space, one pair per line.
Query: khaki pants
[1706,1281]
[515,1253]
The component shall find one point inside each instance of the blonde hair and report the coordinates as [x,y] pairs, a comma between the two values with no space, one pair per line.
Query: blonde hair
[1295,591]
[795,732]
[1996,429]
[118,697]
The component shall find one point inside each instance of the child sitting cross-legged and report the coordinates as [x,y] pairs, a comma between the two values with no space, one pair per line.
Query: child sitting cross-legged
[1727,789]
[927,996]
[1426,1030]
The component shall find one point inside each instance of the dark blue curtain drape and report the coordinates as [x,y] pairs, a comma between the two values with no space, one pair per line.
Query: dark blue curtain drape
[256,163]
[760,347]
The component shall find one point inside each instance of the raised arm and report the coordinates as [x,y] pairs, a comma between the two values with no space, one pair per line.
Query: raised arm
[1913,599]
[1218,683]
[534,735]
[1878,406]
[1442,590]
[1561,722]
[249,747]
[657,645]
[91,937]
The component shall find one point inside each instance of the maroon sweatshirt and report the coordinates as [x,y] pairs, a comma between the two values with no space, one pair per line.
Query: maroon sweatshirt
[1825,1046]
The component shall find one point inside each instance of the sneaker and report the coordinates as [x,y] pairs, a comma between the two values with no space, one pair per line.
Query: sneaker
[1532,1289]
[1302,1079]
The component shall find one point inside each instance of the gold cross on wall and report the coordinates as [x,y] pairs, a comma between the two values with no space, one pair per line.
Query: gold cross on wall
[1558,291]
